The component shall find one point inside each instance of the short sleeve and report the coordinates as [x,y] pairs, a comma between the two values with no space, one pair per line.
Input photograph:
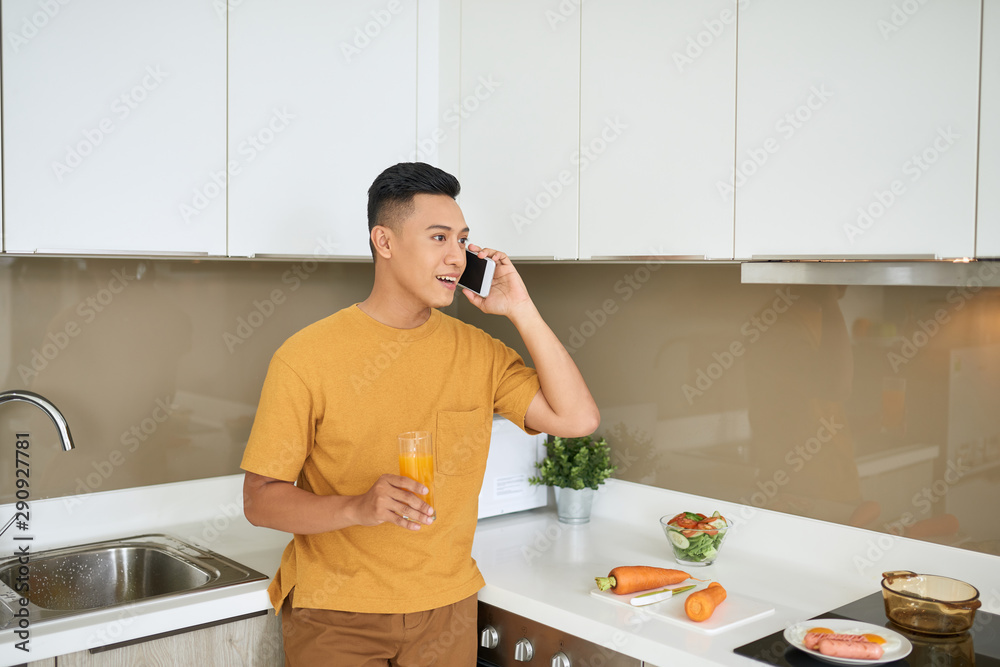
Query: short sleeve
[516,385]
[283,430]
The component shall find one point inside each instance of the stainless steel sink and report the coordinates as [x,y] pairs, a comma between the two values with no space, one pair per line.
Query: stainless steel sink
[75,580]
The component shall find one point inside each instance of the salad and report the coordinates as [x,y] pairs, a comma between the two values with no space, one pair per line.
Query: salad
[696,538]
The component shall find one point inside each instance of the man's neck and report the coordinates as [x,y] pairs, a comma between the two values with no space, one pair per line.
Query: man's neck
[392,309]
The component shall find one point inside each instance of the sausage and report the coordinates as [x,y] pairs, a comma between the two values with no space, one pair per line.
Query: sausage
[838,648]
[812,639]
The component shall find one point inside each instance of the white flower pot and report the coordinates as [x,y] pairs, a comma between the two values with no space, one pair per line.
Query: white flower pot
[573,505]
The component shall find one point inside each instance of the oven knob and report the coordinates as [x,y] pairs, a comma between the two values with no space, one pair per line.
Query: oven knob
[488,637]
[560,659]
[523,650]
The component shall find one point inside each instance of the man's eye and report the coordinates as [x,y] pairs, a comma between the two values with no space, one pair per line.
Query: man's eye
[463,241]
[438,237]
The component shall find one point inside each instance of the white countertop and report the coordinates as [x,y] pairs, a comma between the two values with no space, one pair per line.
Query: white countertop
[541,569]
[533,566]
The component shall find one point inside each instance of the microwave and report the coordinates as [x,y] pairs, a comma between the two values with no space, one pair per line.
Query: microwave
[512,458]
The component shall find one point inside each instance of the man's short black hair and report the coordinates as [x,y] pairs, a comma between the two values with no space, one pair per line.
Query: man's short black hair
[390,197]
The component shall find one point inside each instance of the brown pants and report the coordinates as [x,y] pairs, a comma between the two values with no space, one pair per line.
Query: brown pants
[443,637]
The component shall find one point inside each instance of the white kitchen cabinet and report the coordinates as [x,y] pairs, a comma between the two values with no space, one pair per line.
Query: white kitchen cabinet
[856,128]
[2,244]
[988,219]
[114,121]
[658,127]
[322,98]
[249,642]
[519,115]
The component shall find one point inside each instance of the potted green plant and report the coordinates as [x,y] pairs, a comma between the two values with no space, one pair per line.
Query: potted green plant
[575,467]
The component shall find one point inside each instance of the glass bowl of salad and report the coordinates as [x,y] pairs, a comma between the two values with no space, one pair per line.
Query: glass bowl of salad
[695,538]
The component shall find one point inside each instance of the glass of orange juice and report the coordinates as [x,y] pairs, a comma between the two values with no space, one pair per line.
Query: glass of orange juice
[416,461]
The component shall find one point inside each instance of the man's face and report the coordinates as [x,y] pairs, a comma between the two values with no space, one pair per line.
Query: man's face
[429,254]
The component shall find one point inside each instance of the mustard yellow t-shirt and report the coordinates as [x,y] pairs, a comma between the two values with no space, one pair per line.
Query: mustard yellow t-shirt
[337,394]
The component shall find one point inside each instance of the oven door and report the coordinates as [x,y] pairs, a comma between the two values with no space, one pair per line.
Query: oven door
[501,631]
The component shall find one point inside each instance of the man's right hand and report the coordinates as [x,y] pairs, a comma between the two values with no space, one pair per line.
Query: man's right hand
[281,505]
[393,499]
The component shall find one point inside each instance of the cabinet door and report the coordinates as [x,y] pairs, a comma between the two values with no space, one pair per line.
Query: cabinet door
[856,128]
[322,99]
[658,126]
[253,642]
[519,116]
[2,239]
[988,223]
[114,121]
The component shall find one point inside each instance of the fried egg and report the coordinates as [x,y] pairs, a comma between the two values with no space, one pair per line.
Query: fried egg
[889,642]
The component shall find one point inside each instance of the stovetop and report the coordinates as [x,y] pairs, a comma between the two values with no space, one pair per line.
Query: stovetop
[980,646]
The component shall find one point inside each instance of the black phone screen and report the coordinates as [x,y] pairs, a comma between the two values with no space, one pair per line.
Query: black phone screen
[475,271]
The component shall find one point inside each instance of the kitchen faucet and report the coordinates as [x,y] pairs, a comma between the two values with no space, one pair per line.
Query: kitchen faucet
[45,406]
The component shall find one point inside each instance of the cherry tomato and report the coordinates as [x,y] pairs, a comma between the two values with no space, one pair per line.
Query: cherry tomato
[708,528]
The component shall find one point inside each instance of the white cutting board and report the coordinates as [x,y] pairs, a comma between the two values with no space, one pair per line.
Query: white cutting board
[735,610]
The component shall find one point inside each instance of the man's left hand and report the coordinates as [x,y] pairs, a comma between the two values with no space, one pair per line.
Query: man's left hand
[507,293]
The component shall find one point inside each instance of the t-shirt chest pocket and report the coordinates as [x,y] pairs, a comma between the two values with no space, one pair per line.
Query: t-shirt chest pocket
[462,441]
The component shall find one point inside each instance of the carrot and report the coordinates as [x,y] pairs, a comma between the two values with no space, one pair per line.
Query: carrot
[700,605]
[631,578]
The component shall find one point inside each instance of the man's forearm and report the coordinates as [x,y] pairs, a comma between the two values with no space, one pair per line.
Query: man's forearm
[281,505]
[285,507]
[561,383]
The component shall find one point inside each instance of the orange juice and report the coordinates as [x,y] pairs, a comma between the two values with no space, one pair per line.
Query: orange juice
[419,467]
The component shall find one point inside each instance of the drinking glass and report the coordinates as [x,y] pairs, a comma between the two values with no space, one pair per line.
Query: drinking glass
[416,461]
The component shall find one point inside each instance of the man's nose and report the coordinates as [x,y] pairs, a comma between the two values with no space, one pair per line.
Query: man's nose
[456,254]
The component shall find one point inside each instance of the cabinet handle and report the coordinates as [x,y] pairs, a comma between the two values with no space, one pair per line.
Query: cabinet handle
[99,252]
[843,258]
[305,256]
[651,258]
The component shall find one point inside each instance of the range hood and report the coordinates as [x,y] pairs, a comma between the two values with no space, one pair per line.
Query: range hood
[929,273]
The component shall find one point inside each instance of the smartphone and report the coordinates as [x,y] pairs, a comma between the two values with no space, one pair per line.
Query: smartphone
[478,274]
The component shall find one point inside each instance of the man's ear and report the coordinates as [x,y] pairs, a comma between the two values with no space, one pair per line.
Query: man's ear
[383,240]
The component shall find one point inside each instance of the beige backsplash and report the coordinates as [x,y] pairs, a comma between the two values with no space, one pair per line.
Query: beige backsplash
[873,401]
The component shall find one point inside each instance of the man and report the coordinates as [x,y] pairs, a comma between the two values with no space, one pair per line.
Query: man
[374,575]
